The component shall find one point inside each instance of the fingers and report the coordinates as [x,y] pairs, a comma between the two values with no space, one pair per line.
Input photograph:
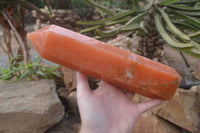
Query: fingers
[105,87]
[83,87]
[130,95]
[142,107]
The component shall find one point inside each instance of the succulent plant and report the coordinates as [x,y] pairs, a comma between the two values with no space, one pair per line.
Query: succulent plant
[175,22]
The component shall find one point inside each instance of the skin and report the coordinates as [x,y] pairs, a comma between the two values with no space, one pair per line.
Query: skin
[107,109]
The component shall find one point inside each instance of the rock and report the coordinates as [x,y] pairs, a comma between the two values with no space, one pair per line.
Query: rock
[58,19]
[76,17]
[63,96]
[182,74]
[69,124]
[183,110]
[69,78]
[149,123]
[34,13]
[38,22]
[72,99]
[29,107]
[61,11]
[96,17]
[62,91]
[196,75]
[67,19]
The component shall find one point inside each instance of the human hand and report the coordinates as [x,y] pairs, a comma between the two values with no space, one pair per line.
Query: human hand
[107,109]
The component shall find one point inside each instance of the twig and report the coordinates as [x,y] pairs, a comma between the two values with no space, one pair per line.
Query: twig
[3,48]
[31,6]
[185,60]
[7,42]
[7,17]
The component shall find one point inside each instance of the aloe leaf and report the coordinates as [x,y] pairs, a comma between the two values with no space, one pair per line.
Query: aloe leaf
[119,16]
[136,18]
[3,69]
[168,2]
[41,74]
[117,21]
[173,28]
[194,52]
[13,59]
[189,19]
[37,60]
[197,4]
[102,8]
[87,30]
[90,29]
[167,38]
[98,37]
[106,33]
[147,7]
[137,4]
[57,74]
[35,64]
[188,13]
[196,34]
[187,1]
[185,25]
[110,33]
[196,45]
[24,75]
[184,8]
[196,40]
[10,77]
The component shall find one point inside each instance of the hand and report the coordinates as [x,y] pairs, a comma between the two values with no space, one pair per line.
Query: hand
[107,109]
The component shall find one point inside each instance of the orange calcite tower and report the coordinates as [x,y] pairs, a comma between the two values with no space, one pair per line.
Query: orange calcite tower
[100,60]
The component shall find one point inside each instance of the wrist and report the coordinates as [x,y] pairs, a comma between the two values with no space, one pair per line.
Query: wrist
[85,129]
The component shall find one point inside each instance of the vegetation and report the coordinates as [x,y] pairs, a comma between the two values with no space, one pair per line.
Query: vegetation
[12,18]
[32,71]
[173,21]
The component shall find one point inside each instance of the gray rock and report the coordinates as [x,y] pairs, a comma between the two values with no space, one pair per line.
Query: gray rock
[29,107]
[72,99]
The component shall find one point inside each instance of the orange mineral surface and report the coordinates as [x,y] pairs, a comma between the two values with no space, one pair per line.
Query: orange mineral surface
[102,61]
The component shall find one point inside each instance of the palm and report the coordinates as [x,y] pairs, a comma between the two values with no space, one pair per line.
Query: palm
[107,108]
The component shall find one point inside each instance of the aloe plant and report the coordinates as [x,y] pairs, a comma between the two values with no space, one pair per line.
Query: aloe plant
[175,22]
[32,71]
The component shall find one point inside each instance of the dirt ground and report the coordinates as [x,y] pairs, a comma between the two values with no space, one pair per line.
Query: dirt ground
[176,61]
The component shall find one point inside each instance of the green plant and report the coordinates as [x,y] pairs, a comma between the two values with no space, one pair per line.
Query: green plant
[32,71]
[175,22]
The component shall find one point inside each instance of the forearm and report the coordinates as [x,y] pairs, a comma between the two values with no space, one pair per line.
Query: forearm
[104,130]
[92,130]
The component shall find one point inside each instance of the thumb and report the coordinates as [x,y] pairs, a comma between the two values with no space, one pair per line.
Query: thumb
[143,107]
[83,87]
